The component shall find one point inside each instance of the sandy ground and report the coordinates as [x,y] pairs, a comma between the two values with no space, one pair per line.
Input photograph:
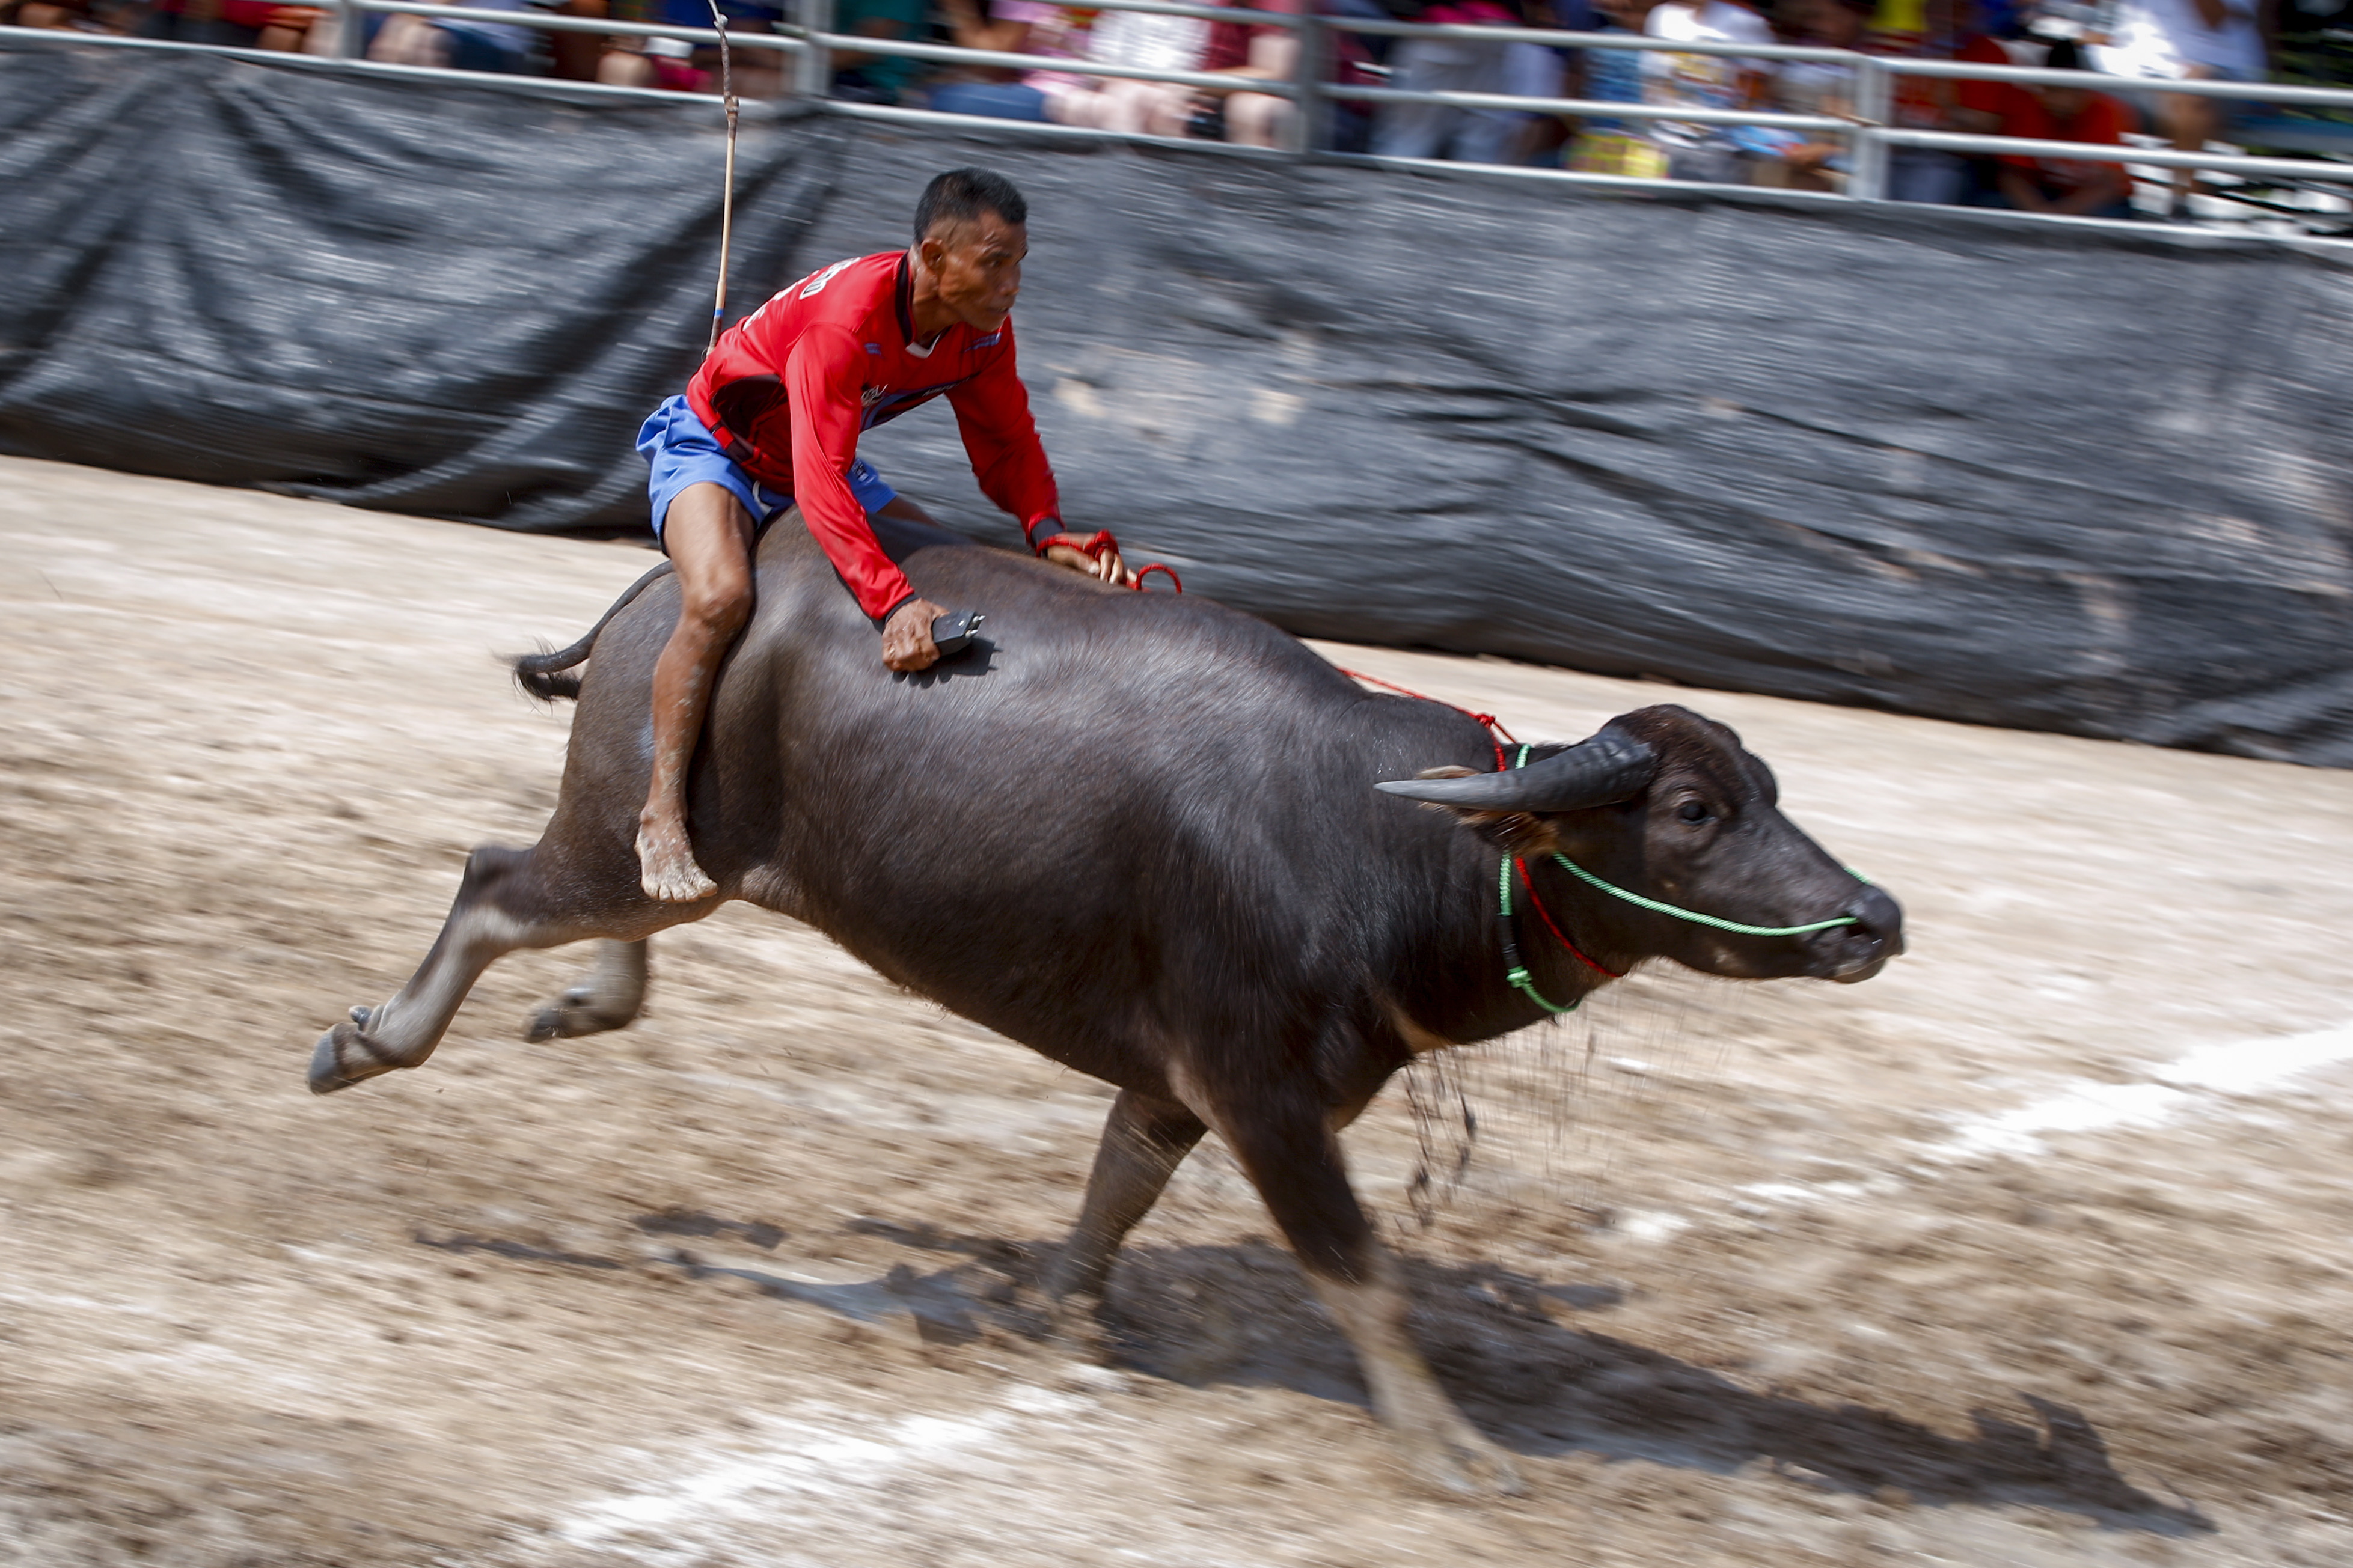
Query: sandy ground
[2033,1250]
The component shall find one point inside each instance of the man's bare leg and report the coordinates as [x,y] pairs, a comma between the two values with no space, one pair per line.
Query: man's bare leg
[709,537]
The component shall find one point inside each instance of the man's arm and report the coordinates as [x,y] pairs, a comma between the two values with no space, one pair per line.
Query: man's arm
[824,383]
[992,413]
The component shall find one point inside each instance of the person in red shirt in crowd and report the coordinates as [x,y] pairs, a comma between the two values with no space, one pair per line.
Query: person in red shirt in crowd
[771,420]
[2075,188]
[1976,106]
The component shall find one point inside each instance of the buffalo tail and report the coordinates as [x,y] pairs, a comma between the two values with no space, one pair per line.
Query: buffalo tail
[548,675]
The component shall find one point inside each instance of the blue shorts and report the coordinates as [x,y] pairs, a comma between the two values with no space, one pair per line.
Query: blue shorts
[683,453]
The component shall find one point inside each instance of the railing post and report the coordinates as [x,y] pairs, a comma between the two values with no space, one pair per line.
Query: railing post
[1308,73]
[350,31]
[1875,102]
[813,73]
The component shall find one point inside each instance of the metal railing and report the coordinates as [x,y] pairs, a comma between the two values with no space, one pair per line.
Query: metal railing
[1868,129]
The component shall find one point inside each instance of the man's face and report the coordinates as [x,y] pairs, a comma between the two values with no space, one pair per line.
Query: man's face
[977,264]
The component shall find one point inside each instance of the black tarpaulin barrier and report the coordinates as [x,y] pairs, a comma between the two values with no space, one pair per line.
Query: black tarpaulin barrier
[401,292]
[2069,477]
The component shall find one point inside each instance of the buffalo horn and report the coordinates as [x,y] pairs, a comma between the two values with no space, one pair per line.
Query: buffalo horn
[1607,768]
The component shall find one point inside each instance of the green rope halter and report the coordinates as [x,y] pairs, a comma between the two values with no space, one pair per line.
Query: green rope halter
[1717,922]
[1516,974]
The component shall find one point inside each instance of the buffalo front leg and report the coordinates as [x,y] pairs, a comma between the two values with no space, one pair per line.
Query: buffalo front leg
[1143,1142]
[501,907]
[609,998]
[1295,1164]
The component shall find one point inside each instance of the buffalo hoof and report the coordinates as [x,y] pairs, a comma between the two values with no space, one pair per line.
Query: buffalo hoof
[1075,1326]
[574,1013]
[344,1056]
[1460,1463]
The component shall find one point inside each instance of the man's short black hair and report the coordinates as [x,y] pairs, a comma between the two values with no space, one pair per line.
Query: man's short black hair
[962,196]
[2064,55]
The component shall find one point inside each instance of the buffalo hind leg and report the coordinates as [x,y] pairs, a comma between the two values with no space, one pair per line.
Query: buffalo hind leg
[1144,1140]
[1296,1166]
[502,904]
[609,998]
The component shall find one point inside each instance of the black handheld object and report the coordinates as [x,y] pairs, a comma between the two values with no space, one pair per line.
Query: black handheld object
[953,633]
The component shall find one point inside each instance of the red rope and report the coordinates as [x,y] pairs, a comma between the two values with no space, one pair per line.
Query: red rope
[1494,728]
[1095,549]
[1557,935]
[1486,721]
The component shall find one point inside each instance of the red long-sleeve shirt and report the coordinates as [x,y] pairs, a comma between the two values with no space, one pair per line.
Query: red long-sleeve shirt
[788,389]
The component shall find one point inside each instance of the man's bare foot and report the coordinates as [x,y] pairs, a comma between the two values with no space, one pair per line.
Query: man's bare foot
[667,868]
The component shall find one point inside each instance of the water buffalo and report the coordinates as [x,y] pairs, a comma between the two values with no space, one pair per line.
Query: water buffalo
[1140,834]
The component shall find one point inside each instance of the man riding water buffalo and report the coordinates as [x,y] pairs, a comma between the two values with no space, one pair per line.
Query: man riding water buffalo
[771,421]
[1243,914]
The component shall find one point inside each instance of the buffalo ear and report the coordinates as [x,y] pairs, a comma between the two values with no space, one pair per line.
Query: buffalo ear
[1511,832]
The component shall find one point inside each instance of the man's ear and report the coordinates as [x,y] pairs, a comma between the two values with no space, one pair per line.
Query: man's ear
[933,252]
[1511,832]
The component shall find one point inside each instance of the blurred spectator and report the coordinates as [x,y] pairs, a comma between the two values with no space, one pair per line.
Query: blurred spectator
[673,64]
[1359,59]
[462,46]
[299,30]
[2069,186]
[2087,22]
[1148,42]
[1019,27]
[1938,30]
[1449,65]
[877,79]
[54,15]
[1695,151]
[1261,53]
[1607,146]
[237,24]
[625,59]
[1894,27]
[1541,70]
[2176,40]
[191,22]
[1813,162]
[1976,107]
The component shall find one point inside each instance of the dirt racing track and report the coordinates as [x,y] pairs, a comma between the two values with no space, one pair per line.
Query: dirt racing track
[2033,1250]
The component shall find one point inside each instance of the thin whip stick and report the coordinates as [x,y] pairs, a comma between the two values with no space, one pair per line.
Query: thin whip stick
[727,195]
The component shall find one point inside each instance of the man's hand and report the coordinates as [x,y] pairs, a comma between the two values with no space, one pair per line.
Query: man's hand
[907,642]
[1063,549]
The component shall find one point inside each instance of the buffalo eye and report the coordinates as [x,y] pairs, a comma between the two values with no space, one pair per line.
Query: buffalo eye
[1693,811]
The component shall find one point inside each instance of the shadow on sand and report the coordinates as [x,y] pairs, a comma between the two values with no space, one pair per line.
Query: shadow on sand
[1243,1314]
